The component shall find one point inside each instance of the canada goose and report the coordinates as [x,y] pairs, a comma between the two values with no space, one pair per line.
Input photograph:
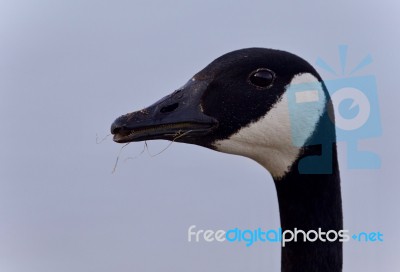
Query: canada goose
[240,104]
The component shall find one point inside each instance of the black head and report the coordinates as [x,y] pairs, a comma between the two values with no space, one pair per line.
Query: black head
[235,91]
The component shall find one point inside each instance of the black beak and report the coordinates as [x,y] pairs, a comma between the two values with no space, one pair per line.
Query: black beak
[178,116]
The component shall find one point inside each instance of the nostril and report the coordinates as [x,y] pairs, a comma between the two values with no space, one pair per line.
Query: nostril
[169,108]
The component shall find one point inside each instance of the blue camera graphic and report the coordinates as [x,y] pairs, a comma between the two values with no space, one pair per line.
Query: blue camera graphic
[356,109]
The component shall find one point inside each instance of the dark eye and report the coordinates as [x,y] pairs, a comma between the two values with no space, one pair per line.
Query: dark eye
[262,78]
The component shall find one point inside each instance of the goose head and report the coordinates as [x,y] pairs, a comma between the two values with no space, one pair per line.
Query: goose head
[260,103]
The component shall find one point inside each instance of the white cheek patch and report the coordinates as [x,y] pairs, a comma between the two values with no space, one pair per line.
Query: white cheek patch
[275,140]
[307,96]
[306,101]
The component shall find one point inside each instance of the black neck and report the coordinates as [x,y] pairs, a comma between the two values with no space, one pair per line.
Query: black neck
[309,202]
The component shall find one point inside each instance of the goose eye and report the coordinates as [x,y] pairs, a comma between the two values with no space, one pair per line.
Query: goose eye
[262,78]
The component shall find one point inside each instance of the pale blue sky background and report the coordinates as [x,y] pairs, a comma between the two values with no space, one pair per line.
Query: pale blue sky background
[69,68]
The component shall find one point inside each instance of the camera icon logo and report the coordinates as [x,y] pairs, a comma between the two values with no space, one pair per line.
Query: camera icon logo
[356,110]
